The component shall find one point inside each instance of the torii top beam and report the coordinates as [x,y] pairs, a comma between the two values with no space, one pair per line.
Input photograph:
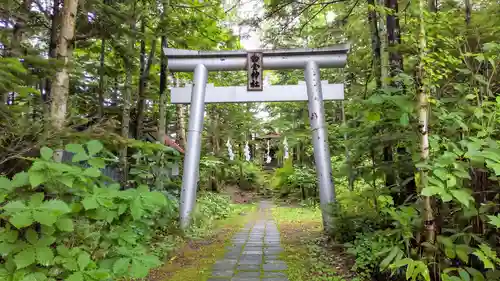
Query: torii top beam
[186,60]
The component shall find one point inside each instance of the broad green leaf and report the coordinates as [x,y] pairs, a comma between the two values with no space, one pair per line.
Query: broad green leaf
[46,240]
[138,269]
[75,148]
[36,177]
[94,147]
[90,203]
[463,252]
[79,157]
[450,252]
[14,207]
[488,251]
[99,274]
[25,258]
[462,196]
[77,276]
[44,256]
[120,267]
[400,263]
[56,206]
[20,179]
[31,236]
[442,174]
[437,182]
[494,166]
[409,270]
[65,224]
[66,180]
[21,219]
[461,174]
[37,276]
[44,217]
[5,183]
[83,260]
[464,275]
[136,209]
[494,220]
[36,199]
[92,172]
[9,235]
[6,248]
[476,274]
[97,163]
[431,190]
[446,241]
[486,261]
[385,263]
[446,197]
[46,153]
[155,198]
[451,182]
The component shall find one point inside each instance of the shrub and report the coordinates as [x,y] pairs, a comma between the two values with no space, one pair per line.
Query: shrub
[69,222]
[367,250]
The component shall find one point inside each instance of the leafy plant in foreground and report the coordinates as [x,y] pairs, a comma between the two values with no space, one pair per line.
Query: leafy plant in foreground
[67,221]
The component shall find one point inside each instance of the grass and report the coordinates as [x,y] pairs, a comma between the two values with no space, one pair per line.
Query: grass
[307,254]
[194,260]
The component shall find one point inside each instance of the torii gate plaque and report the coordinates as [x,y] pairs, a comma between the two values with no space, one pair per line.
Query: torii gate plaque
[311,60]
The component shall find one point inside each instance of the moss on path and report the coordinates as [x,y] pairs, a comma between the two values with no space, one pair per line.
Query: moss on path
[309,255]
[194,259]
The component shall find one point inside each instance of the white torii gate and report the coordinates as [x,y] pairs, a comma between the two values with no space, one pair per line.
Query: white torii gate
[201,62]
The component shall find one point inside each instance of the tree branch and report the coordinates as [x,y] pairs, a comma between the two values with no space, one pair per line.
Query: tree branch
[42,10]
[350,11]
[311,18]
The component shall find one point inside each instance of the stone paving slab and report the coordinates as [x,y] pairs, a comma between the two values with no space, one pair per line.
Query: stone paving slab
[254,253]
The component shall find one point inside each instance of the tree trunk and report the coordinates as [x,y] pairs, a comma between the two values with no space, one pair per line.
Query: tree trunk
[384,58]
[143,83]
[162,107]
[423,108]
[372,20]
[127,96]
[468,9]
[347,155]
[64,51]
[142,67]
[181,125]
[114,93]
[390,179]
[433,5]
[100,107]
[394,39]
[54,32]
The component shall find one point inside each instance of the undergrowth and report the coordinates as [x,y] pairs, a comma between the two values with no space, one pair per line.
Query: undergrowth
[67,221]
[304,245]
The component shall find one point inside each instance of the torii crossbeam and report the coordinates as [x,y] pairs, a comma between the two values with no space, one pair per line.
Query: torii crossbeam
[200,62]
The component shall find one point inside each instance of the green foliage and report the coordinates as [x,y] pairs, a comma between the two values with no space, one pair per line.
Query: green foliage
[367,249]
[210,207]
[294,179]
[69,222]
[151,164]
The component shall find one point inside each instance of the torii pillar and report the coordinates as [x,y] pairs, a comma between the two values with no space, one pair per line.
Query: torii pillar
[311,60]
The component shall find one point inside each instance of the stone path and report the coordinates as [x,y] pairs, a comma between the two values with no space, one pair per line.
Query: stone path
[254,253]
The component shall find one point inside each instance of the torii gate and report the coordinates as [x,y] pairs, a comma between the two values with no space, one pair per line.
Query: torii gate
[201,62]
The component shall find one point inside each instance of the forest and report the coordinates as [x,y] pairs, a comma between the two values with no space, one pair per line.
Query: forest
[92,149]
